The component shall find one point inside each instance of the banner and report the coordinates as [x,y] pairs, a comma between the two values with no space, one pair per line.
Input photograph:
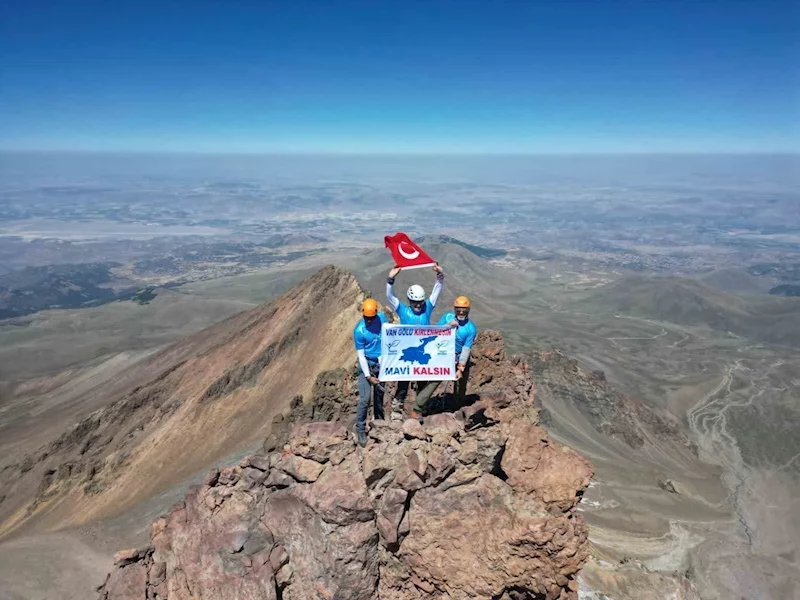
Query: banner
[406,253]
[417,353]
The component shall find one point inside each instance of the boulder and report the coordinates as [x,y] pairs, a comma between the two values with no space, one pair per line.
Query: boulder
[129,583]
[126,557]
[413,429]
[391,514]
[340,496]
[301,469]
[480,539]
[536,466]
[318,441]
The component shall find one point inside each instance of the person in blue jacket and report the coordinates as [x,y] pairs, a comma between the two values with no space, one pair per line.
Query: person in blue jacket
[367,339]
[466,333]
[417,312]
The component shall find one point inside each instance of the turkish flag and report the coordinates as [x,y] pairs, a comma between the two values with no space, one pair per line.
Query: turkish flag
[406,253]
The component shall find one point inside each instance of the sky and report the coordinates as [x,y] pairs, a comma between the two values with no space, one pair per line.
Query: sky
[233,76]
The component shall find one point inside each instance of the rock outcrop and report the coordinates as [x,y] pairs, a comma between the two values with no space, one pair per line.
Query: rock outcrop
[479,503]
[560,379]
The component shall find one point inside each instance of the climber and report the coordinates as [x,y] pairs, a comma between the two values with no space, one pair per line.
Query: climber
[367,338]
[416,312]
[465,338]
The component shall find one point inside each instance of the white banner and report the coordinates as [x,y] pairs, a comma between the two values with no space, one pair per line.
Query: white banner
[417,353]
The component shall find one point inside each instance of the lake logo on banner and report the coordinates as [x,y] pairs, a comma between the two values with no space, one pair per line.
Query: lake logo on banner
[417,353]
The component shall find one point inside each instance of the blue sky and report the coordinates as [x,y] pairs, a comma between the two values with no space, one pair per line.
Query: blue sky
[380,76]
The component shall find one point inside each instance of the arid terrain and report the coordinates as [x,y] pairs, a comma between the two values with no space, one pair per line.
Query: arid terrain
[661,344]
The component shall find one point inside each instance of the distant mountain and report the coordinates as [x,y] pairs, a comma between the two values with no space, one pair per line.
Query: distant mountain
[737,281]
[466,273]
[481,251]
[688,302]
[786,289]
[292,239]
[787,271]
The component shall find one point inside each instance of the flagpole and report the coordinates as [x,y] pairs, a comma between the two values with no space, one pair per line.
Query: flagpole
[417,266]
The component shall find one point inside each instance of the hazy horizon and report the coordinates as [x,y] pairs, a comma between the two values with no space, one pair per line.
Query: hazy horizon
[768,171]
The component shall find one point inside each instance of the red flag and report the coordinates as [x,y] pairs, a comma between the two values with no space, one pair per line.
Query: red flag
[406,253]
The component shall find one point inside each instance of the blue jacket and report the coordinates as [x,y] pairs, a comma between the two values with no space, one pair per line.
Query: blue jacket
[465,333]
[409,317]
[368,338]
[406,313]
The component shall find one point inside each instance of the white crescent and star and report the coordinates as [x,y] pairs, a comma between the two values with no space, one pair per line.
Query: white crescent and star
[409,255]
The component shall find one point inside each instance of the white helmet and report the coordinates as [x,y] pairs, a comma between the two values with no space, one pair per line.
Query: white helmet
[416,293]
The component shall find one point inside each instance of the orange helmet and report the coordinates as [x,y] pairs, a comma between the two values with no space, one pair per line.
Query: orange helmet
[461,302]
[369,308]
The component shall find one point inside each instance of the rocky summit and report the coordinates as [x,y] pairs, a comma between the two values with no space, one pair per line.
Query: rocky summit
[476,503]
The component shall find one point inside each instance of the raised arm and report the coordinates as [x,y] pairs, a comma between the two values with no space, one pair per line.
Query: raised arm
[437,287]
[390,288]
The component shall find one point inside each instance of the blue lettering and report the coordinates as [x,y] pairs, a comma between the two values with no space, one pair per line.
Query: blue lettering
[397,370]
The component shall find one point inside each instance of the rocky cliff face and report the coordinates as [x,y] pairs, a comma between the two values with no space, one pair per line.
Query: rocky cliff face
[479,503]
[560,379]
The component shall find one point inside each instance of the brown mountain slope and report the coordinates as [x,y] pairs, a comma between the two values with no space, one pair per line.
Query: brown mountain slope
[561,382]
[688,302]
[193,403]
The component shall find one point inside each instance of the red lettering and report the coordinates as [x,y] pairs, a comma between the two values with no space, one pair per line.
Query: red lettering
[443,331]
[431,370]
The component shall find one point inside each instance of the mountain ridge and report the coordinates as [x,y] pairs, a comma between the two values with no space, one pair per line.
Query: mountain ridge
[216,380]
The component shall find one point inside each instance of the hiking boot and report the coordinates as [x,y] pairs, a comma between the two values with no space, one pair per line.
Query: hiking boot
[362,438]
[396,416]
[415,415]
